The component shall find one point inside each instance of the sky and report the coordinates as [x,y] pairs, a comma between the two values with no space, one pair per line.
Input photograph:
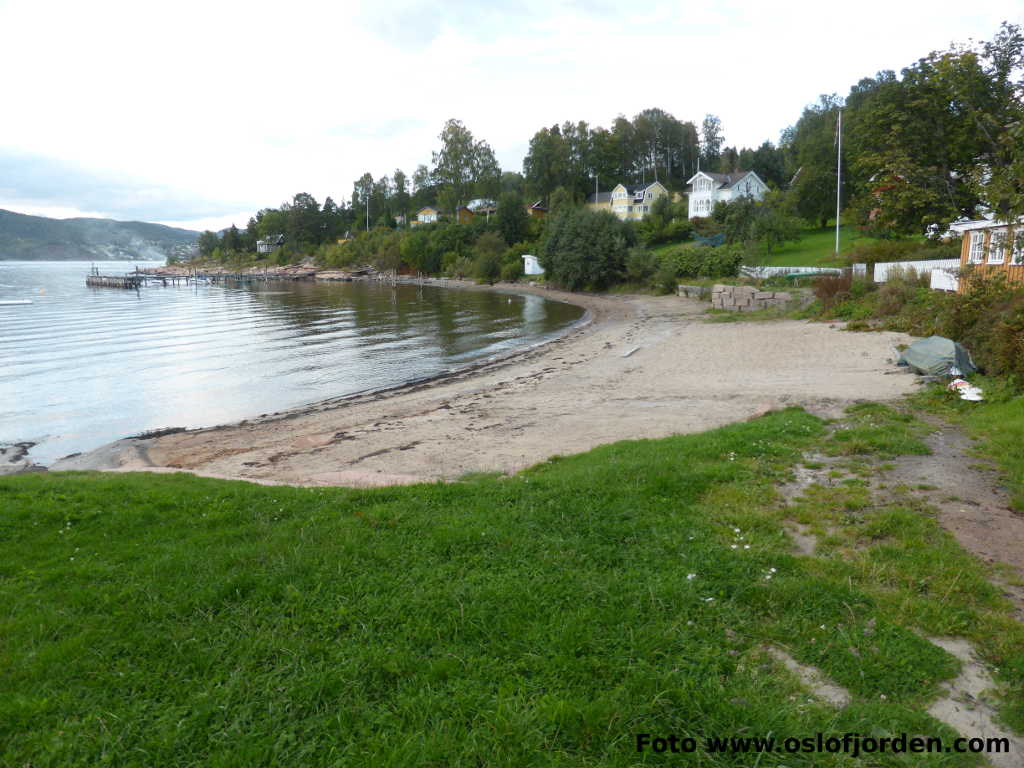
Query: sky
[198,114]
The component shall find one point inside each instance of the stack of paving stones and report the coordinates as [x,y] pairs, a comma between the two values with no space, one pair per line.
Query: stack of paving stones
[746,298]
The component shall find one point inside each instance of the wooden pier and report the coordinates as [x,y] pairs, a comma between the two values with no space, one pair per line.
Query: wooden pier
[133,280]
[113,281]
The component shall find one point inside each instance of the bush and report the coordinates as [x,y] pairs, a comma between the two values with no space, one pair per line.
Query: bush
[702,261]
[831,289]
[705,226]
[487,252]
[641,265]
[512,271]
[584,249]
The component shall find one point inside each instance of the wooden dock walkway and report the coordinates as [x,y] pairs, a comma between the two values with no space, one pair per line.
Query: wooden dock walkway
[113,281]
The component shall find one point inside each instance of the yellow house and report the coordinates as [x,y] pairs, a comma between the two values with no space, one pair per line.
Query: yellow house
[629,204]
[428,214]
[990,247]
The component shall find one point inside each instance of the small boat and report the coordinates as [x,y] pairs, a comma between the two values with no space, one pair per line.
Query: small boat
[15,301]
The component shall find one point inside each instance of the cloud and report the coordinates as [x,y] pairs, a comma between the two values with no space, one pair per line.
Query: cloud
[30,181]
[199,110]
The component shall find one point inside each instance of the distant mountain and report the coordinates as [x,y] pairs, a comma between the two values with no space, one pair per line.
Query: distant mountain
[39,238]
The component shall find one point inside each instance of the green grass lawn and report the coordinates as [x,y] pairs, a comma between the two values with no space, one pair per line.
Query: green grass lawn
[816,248]
[544,619]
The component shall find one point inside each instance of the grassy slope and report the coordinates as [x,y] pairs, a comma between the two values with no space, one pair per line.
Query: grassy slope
[539,620]
[815,248]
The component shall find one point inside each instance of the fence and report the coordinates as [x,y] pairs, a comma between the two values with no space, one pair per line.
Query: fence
[883,268]
[762,272]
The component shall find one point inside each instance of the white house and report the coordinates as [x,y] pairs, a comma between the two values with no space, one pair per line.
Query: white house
[269,244]
[706,189]
[531,266]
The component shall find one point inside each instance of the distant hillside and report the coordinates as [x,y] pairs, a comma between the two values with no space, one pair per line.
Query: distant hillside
[39,238]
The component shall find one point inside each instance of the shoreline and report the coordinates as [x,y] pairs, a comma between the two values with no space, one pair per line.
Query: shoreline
[634,367]
[107,457]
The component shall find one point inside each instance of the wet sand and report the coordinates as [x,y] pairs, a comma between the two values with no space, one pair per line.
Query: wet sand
[641,367]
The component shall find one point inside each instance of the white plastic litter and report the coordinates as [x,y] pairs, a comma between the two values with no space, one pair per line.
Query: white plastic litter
[967,390]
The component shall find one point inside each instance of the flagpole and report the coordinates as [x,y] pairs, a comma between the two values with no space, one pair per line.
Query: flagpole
[839,174]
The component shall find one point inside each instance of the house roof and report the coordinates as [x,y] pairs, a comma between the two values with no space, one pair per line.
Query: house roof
[645,187]
[428,208]
[538,206]
[726,180]
[968,226]
[600,197]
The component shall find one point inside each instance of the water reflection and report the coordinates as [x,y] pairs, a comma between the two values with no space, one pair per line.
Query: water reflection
[80,366]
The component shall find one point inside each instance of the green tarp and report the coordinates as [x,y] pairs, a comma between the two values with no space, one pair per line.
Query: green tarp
[938,356]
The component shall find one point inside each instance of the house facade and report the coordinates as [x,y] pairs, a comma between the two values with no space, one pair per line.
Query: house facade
[628,204]
[708,189]
[269,244]
[989,247]
[428,214]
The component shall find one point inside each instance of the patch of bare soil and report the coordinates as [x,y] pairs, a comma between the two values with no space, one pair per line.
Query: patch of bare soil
[970,501]
[965,706]
[813,678]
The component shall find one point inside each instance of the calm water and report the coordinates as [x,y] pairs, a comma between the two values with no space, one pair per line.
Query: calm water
[80,366]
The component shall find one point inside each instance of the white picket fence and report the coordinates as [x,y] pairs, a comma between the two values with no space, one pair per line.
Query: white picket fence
[883,268]
[944,280]
[762,272]
[942,271]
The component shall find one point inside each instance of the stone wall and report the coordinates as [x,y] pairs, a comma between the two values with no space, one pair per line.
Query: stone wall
[746,298]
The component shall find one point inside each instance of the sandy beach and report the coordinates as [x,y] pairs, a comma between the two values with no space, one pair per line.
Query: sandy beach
[639,367]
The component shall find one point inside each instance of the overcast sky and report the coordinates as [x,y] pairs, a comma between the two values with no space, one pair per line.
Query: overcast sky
[197,114]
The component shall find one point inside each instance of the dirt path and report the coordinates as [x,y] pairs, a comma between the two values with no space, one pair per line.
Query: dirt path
[645,367]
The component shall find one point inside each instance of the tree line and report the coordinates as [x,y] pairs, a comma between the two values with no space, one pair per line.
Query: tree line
[942,139]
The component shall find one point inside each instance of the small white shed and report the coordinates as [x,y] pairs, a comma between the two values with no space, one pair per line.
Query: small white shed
[531,266]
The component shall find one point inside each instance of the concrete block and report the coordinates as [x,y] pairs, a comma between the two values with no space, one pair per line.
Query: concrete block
[764,295]
[784,295]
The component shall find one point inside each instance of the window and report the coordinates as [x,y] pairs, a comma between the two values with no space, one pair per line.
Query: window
[997,247]
[1017,251]
[976,254]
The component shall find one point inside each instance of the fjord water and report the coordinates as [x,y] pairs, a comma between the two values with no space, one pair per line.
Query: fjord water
[80,367]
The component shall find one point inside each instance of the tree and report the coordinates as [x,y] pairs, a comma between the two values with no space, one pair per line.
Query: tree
[335,220]
[710,141]
[362,193]
[513,222]
[462,166]
[302,227]
[998,113]
[249,236]
[546,165]
[487,254]
[561,200]
[232,240]
[208,242]
[400,194]
[814,146]
[585,249]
